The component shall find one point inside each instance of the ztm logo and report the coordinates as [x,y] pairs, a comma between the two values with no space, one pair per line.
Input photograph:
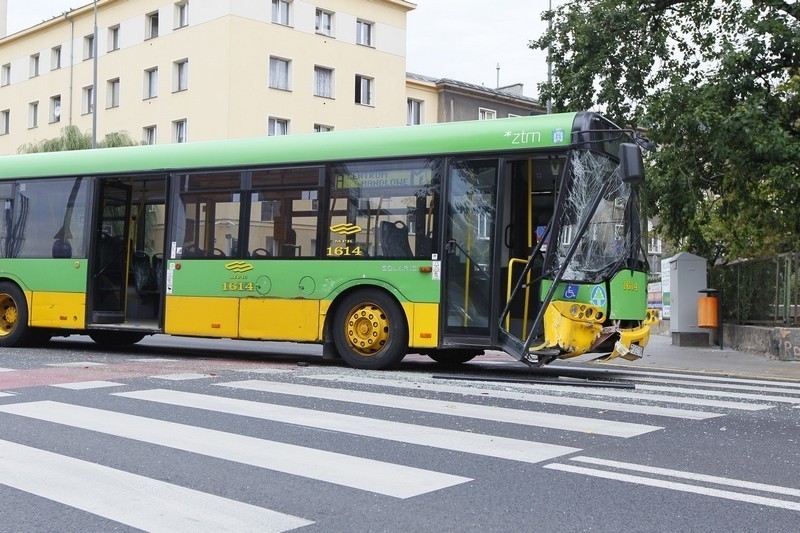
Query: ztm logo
[346,229]
[239,267]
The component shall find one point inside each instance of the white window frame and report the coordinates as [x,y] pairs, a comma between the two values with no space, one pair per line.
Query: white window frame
[322,128]
[113,38]
[112,93]
[5,122]
[150,134]
[486,114]
[5,75]
[181,14]
[180,75]
[180,131]
[55,58]
[150,83]
[55,109]
[282,12]
[414,110]
[362,83]
[274,124]
[88,47]
[151,25]
[319,89]
[33,115]
[365,33]
[35,65]
[323,22]
[279,66]
[87,100]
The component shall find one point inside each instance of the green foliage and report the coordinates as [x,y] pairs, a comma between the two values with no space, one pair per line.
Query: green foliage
[72,138]
[717,85]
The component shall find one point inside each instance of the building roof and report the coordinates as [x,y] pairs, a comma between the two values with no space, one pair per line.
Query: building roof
[472,87]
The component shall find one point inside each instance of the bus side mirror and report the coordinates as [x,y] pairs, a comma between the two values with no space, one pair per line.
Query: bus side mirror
[631,163]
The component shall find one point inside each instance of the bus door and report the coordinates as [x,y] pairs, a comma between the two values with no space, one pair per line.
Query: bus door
[469,287]
[108,283]
[528,207]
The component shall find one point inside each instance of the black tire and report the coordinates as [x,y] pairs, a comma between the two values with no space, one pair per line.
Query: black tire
[369,330]
[14,329]
[116,338]
[453,357]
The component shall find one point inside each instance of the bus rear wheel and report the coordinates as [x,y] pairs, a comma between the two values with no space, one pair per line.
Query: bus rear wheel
[369,330]
[116,338]
[14,329]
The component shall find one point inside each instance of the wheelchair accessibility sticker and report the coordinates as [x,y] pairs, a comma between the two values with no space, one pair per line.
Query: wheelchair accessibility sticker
[598,298]
[571,292]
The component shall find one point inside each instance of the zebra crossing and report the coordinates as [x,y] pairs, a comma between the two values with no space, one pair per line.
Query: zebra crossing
[554,430]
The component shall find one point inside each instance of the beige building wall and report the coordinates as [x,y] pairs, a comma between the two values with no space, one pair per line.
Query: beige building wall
[227,45]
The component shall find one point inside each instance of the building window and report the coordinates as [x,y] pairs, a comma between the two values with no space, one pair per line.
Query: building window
[486,114]
[113,38]
[34,65]
[149,135]
[364,33]
[179,133]
[151,25]
[87,102]
[323,82]
[181,75]
[280,12]
[321,128]
[55,58]
[364,90]
[5,121]
[414,112]
[5,74]
[55,109]
[88,47]
[181,14]
[112,93]
[324,22]
[279,73]
[151,83]
[33,115]
[278,126]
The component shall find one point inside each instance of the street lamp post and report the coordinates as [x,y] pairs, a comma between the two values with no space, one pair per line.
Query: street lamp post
[94,80]
[549,63]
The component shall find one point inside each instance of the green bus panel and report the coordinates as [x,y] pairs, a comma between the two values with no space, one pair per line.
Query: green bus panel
[628,295]
[313,280]
[51,275]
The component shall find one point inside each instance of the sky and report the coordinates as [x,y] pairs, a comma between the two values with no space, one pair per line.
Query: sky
[458,39]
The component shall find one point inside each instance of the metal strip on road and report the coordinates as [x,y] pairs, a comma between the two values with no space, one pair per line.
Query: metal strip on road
[8,369]
[349,471]
[681,487]
[466,410]
[448,439]
[525,396]
[130,499]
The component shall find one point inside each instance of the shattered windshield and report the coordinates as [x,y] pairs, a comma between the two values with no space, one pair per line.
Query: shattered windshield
[612,237]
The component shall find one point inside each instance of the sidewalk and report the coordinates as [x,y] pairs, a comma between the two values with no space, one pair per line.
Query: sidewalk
[662,355]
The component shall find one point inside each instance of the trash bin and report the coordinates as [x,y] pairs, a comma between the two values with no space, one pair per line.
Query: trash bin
[707,312]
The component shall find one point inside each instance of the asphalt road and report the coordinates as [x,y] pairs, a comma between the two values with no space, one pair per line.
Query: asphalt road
[194,435]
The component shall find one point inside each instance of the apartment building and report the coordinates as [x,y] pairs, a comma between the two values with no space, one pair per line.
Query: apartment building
[194,70]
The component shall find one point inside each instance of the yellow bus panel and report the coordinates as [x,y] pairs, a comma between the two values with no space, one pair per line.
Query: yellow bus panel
[423,321]
[66,310]
[278,319]
[202,316]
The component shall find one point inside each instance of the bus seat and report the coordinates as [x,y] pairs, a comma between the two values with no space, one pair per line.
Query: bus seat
[394,239]
[143,279]
[158,270]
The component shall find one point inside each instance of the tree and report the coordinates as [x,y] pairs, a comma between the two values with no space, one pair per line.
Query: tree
[72,138]
[717,85]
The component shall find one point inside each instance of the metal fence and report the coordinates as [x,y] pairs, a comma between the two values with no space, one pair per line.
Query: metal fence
[760,291]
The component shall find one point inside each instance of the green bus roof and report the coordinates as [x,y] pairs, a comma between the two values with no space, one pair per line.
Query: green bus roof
[502,135]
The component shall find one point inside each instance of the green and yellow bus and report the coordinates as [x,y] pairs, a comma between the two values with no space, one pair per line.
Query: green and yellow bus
[521,234]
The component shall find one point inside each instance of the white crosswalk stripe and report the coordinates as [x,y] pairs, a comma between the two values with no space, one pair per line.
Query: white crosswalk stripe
[499,414]
[474,443]
[365,474]
[149,504]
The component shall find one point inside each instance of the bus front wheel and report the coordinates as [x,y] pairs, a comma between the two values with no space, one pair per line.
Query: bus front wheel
[14,329]
[369,330]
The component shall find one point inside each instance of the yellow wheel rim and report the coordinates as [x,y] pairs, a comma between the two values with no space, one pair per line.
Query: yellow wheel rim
[367,329]
[8,315]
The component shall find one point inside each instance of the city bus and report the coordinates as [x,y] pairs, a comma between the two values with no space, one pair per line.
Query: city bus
[521,234]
